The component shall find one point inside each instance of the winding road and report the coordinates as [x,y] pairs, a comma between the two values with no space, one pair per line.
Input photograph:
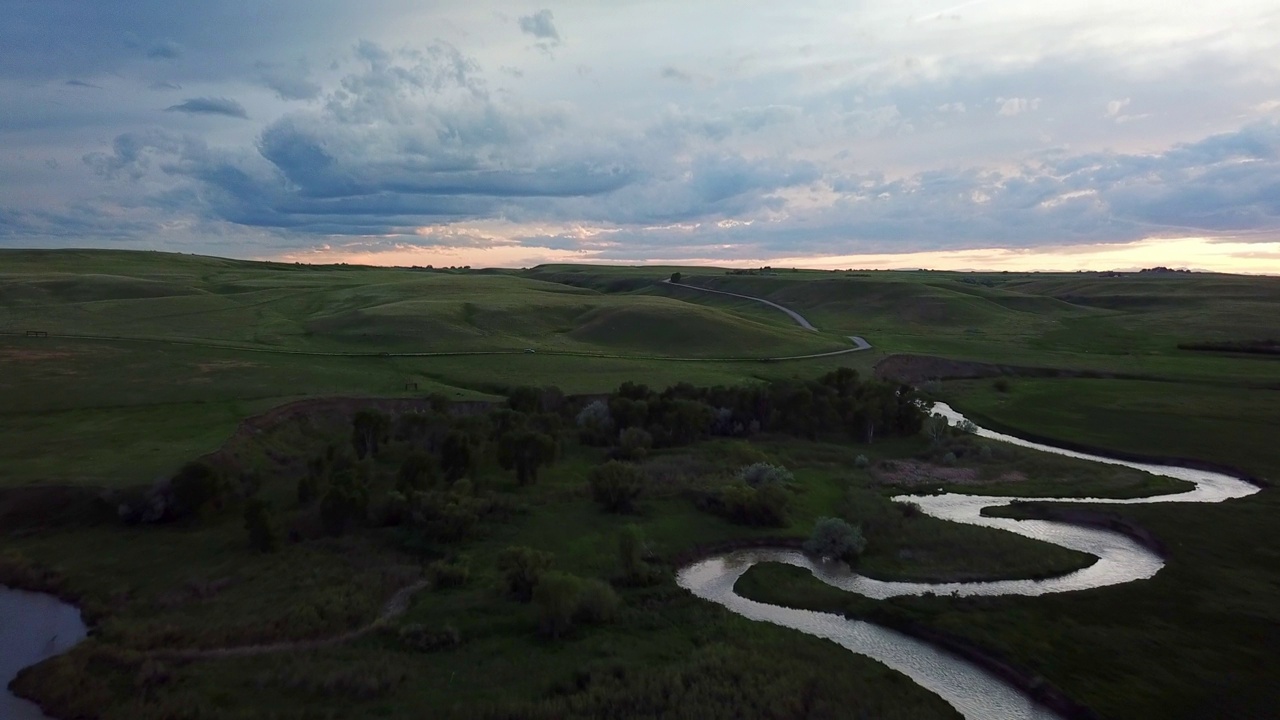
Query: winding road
[858,344]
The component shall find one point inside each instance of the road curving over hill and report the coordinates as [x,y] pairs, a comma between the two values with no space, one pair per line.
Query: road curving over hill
[976,685]
[858,342]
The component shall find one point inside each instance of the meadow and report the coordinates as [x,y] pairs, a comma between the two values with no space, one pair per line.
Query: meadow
[154,359]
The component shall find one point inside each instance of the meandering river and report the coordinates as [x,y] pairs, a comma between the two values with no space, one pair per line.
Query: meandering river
[976,693]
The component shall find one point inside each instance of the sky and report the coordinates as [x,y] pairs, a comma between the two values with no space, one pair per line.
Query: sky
[987,134]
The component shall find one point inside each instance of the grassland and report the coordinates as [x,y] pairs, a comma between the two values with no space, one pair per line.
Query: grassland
[185,347]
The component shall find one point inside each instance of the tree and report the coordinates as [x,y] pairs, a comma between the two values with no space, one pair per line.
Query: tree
[346,501]
[525,452]
[616,486]
[417,472]
[835,539]
[522,569]
[263,536]
[634,444]
[369,428]
[196,486]
[676,277]
[458,455]
[626,412]
[595,423]
[936,428]
[525,399]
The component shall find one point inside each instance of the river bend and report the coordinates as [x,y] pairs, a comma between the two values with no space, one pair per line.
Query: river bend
[974,692]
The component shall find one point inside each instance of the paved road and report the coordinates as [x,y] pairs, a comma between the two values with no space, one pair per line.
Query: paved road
[858,342]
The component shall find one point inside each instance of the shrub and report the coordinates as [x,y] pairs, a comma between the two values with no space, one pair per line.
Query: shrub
[861,462]
[949,459]
[308,489]
[634,444]
[1001,385]
[443,575]
[597,602]
[263,535]
[417,472]
[631,552]
[458,455]
[764,506]
[346,501]
[616,486]
[195,487]
[522,569]
[985,453]
[556,597]
[563,599]
[835,538]
[526,452]
[760,474]
[425,639]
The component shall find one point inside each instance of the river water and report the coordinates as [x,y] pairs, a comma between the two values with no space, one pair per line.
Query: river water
[33,626]
[974,692]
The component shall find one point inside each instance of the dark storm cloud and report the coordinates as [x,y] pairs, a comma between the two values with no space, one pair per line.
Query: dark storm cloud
[210,106]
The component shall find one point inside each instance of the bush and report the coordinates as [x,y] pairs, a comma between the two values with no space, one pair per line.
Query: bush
[1001,385]
[525,452]
[263,535]
[556,597]
[760,474]
[308,489]
[616,486]
[443,575]
[834,538]
[634,444]
[563,599]
[458,455]
[424,639]
[597,602]
[985,453]
[861,462]
[764,506]
[347,501]
[417,472]
[194,488]
[522,569]
[631,557]
[949,459]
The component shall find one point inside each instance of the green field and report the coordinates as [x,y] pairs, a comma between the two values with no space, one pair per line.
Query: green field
[155,359]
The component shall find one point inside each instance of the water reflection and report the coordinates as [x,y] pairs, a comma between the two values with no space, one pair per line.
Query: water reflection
[976,693]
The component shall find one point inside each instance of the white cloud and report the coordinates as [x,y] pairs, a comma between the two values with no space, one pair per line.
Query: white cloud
[1017,106]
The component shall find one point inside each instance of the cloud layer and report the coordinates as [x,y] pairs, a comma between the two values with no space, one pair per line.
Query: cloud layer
[640,133]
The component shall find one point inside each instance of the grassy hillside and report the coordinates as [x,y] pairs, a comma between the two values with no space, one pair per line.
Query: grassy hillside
[1131,323]
[185,346]
[341,309]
